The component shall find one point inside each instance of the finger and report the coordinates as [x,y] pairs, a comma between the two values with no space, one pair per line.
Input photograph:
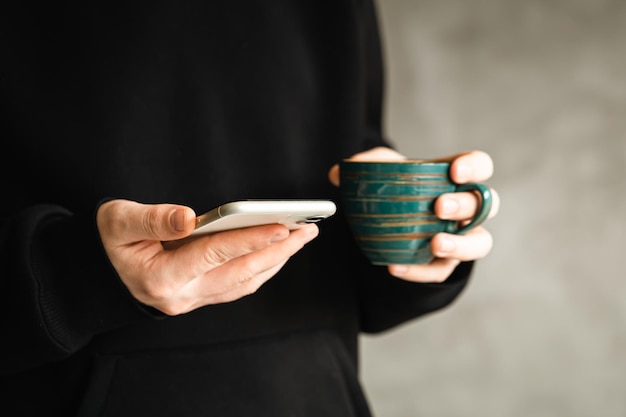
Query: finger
[436,271]
[244,274]
[174,288]
[124,222]
[463,205]
[243,268]
[473,166]
[244,288]
[192,297]
[208,252]
[379,153]
[475,244]
[333,175]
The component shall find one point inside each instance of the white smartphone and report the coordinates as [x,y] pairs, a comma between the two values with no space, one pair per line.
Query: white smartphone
[246,213]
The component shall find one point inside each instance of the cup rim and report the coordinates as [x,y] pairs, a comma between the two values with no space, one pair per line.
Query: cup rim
[408,161]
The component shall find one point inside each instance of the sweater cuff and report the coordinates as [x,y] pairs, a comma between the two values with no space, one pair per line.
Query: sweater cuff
[80,294]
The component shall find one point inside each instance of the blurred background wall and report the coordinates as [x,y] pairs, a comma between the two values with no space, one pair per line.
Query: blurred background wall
[541,86]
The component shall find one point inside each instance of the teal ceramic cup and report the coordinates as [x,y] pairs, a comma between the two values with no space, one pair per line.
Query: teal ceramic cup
[389,206]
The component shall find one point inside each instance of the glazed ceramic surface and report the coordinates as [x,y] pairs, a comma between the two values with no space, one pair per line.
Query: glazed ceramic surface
[389,206]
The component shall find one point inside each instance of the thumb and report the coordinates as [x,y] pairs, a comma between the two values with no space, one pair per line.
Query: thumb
[128,221]
[333,175]
[177,222]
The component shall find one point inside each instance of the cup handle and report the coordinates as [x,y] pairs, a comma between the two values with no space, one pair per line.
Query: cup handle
[485,205]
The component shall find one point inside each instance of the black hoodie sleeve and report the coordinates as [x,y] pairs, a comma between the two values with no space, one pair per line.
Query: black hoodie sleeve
[58,285]
[386,301]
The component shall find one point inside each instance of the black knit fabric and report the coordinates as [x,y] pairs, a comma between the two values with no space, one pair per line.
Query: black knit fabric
[197,103]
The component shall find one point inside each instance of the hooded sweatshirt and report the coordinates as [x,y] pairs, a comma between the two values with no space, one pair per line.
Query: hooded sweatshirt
[195,103]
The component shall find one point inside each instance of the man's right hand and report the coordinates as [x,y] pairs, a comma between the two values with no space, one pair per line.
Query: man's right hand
[212,269]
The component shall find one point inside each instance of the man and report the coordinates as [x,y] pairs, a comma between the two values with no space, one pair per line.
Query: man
[128,119]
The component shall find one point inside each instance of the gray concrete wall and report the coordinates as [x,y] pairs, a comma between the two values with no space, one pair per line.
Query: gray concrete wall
[541,86]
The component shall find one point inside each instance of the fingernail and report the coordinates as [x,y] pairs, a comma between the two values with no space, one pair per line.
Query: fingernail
[463,173]
[445,245]
[450,205]
[177,220]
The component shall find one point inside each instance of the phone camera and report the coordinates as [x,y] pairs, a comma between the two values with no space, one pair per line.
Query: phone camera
[314,219]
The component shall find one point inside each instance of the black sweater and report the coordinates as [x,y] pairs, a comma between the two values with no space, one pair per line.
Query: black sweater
[195,103]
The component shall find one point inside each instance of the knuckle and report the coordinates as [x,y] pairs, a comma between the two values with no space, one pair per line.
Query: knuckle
[110,219]
[150,222]
[214,255]
[173,309]
[164,299]
[159,292]
[246,274]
